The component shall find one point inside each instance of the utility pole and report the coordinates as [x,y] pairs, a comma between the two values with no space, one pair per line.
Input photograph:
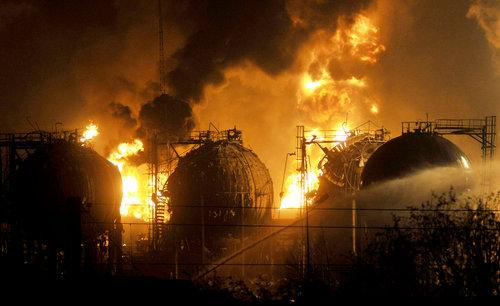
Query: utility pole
[301,157]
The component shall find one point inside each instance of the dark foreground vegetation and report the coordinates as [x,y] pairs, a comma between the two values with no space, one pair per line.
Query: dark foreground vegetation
[445,248]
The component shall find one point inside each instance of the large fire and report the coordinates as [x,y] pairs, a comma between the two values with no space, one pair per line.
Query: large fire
[296,195]
[136,185]
[330,87]
[136,200]
[333,82]
[363,37]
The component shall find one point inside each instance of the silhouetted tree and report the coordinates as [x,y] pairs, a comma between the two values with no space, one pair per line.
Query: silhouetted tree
[445,247]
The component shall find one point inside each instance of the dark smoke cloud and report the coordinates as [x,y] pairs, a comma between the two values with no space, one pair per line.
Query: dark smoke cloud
[66,60]
[167,116]
[123,114]
[144,92]
[265,33]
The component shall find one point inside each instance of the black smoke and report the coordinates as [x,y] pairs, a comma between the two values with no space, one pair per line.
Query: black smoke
[123,114]
[168,117]
[164,117]
[267,34]
[65,60]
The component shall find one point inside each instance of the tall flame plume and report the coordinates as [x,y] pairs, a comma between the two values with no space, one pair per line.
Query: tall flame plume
[136,188]
[327,90]
[135,201]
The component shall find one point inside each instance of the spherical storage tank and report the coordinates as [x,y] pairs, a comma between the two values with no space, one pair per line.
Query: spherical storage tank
[401,157]
[215,189]
[68,197]
[409,153]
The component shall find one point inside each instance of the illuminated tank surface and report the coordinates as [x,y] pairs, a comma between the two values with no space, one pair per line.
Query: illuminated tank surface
[219,183]
[224,174]
[411,152]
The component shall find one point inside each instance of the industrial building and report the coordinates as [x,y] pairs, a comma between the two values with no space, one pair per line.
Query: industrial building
[214,207]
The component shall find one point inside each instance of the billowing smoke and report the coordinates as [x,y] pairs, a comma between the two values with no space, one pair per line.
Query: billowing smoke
[267,34]
[487,14]
[166,116]
[65,62]
[123,114]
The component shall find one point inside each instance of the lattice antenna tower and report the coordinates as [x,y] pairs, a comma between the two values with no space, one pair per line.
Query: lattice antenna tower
[161,62]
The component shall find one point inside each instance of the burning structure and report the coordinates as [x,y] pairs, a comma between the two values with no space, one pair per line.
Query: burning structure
[294,61]
[343,163]
[215,206]
[219,195]
[215,193]
[349,220]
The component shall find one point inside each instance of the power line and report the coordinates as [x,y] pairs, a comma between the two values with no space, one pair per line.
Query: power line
[409,209]
[238,225]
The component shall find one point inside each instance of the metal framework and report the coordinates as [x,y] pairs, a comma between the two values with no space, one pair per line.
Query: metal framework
[161,62]
[482,131]
[163,158]
[339,139]
[15,147]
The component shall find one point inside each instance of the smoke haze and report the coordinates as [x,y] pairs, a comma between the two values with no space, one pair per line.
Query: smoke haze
[167,116]
[242,63]
[267,34]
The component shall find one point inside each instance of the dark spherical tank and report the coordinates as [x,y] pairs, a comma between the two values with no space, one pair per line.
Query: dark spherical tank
[213,191]
[225,174]
[411,152]
[66,194]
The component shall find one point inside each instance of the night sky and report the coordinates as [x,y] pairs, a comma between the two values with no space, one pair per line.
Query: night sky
[270,69]
[68,61]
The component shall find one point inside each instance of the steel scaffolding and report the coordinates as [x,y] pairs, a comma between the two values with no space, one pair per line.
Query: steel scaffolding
[482,131]
[163,157]
[339,139]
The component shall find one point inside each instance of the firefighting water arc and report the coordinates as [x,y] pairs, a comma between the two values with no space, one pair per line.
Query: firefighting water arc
[280,152]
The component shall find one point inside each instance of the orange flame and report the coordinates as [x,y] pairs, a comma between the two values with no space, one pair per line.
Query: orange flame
[363,37]
[136,201]
[333,82]
[324,94]
[136,188]
[296,195]
[90,132]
